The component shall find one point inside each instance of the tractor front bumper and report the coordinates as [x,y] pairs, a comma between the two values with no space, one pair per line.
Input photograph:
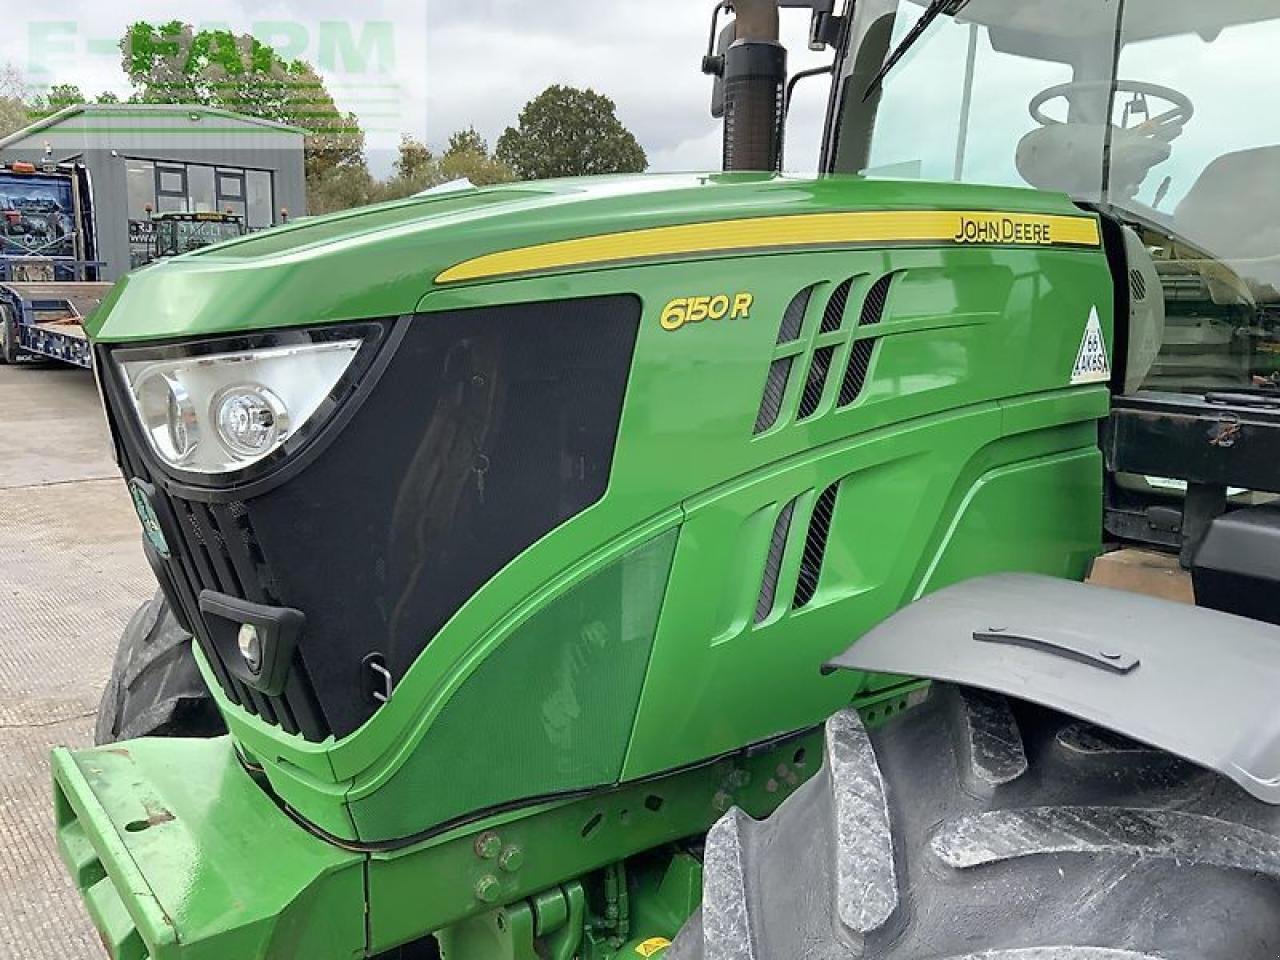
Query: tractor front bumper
[178,853]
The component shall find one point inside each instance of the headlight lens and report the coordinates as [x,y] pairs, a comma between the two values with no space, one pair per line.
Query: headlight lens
[222,412]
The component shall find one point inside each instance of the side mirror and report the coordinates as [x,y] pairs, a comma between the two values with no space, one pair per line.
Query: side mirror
[713,65]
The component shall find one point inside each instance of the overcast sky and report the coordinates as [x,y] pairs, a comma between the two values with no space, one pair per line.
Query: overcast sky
[429,67]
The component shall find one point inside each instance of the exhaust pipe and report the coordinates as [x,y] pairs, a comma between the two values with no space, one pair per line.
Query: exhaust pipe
[755,79]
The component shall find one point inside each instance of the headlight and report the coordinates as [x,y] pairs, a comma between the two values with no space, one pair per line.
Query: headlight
[212,412]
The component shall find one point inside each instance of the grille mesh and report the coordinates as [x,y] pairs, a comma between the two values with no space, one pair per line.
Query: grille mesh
[816,385]
[793,319]
[815,546]
[877,298]
[775,388]
[773,562]
[833,316]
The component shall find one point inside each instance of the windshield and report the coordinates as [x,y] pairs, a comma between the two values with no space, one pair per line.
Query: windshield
[37,216]
[1177,135]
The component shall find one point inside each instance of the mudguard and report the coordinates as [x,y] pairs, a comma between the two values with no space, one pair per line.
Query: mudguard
[1194,682]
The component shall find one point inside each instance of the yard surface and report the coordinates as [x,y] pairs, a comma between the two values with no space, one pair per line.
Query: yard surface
[72,571]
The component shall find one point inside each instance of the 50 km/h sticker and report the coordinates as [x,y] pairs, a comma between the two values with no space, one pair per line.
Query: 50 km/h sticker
[685,310]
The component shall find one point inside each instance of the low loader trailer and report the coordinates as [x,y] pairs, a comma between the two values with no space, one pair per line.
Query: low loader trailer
[695,565]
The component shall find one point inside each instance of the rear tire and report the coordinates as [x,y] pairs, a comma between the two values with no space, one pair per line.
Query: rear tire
[8,336]
[156,689]
[972,827]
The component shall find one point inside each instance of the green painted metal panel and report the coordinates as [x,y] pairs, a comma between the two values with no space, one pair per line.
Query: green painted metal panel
[547,711]
[178,853]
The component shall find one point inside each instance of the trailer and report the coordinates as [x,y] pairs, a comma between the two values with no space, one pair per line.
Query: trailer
[49,274]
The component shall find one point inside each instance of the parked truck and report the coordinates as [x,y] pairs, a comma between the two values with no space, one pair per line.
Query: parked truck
[49,273]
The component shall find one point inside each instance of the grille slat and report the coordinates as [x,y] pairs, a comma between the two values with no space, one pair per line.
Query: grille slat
[877,300]
[773,562]
[236,537]
[833,316]
[815,546]
[855,375]
[816,385]
[775,389]
[793,319]
[215,549]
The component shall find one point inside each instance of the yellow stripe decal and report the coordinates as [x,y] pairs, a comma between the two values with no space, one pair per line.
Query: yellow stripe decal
[777,233]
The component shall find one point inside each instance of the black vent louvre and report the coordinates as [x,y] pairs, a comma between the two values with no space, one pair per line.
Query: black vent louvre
[775,388]
[815,546]
[1137,285]
[215,548]
[817,382]
[833,316]
[773,562]
[855,375]
[877,298]
[793,319]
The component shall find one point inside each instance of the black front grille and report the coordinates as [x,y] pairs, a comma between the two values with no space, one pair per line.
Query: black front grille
[484,431]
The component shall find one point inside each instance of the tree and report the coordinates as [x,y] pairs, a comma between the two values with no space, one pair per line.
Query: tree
[14,112]
[173,63]
[567,132]
[417,168]
[467,158]
[58,97]
[416,164]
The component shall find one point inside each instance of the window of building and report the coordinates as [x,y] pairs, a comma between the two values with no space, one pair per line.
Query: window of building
[171,189]
[174,187]
[258,189]
[200,189]
[140,176]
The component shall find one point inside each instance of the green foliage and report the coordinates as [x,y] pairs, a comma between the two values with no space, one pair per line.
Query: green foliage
[173,63]
[417,168]
[14,115]
[59,97]
[467,158]
[415,163]
[567,132]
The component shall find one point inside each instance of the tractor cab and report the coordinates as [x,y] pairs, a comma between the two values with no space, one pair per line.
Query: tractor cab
[179,233]
[1133,109]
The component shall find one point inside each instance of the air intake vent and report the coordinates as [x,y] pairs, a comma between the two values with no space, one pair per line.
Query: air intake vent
[855,375]
[775,388]
[815,546]
[862,351]
[773,562]
[834,314]
[877,297]
[817,382]
[793,319]
[1137,286]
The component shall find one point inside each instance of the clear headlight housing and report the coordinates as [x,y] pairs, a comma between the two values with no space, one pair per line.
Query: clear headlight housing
[210,412]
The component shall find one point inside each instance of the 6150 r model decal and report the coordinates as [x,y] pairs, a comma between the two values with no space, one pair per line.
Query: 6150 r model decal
[721,306]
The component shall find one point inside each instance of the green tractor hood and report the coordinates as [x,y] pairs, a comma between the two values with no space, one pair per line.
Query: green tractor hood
[381,261]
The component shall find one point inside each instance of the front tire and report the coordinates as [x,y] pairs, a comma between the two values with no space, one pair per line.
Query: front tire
[972,827]
[156,689]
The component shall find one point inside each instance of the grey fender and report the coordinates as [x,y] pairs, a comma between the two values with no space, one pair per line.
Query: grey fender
[1197,683]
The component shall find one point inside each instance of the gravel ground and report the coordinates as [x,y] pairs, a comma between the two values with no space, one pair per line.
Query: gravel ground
[71,573]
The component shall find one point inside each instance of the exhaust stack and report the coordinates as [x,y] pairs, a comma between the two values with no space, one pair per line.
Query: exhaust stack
[755,79]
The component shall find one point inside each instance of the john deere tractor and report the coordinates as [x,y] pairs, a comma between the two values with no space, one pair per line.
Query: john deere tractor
[691,564]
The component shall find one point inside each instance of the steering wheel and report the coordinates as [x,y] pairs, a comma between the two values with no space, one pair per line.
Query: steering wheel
[1165,127]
